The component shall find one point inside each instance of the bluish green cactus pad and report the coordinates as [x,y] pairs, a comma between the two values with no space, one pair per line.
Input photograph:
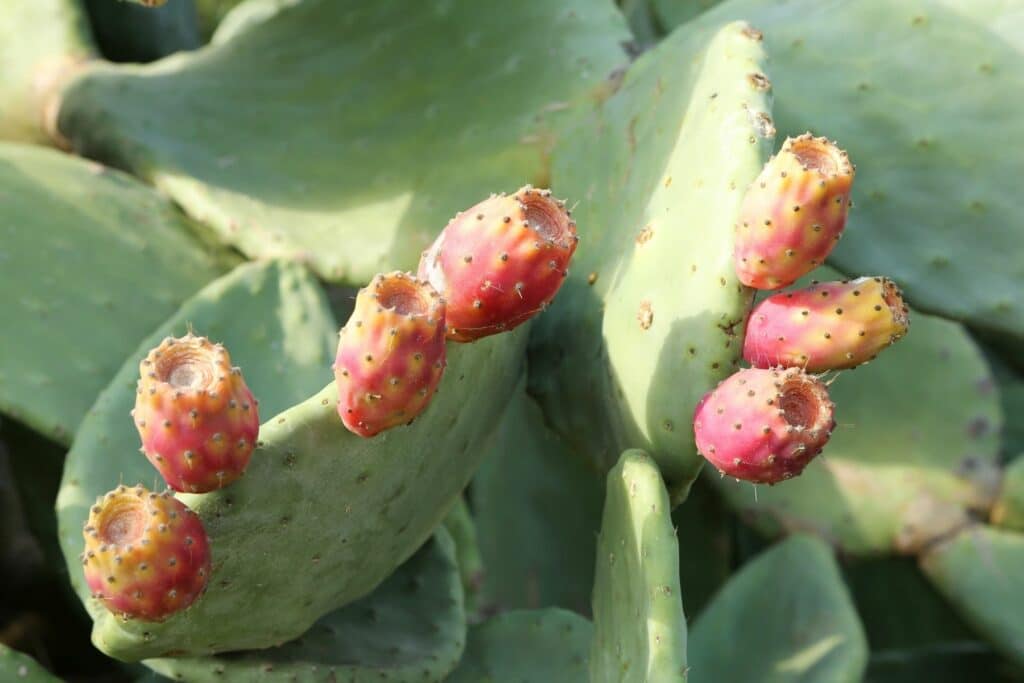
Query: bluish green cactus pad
[936,192]
[639,627]
[538,646]
[39,39]
[382,496]
[979,571]
[952,663]
[90,262]
[652,314]
[916,442]
[324,132]
[785,617]
[16,667]
[411,629]
[538,548]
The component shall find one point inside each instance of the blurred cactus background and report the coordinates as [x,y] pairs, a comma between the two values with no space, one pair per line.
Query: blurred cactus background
[559,492]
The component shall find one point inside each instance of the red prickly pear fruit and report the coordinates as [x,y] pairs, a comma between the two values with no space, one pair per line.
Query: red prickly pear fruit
[828,326]
[500,262]
[763,426]
[391,354]
[146,554]
[196,416]
[793,214]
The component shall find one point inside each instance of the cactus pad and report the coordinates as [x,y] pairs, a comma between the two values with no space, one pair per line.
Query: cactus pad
[86,254]
[41,41]
[537,551]
[793,615]
[935,201]
[409,630]
[541,645]
[979,571]
[20,668]
[395,142]
[651,315]
[639,627]
[309,467]
[905,459]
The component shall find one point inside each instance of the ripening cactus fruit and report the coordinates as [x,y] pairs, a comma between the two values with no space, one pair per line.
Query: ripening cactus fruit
[146,554]
[793,213]
[763,426]
[828,326]
[197,418]
[500,262]
[391,354]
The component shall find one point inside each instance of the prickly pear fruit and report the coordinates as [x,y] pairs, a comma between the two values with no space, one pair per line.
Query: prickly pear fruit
[828,326]
[793,213]
[391,354]
[500,262]
[196,416]
[763,426]
[146,554]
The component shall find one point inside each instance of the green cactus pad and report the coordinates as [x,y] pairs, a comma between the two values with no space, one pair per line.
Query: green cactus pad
[462,527]
[322,132]
[538,551]
[652,314]
[794,618]
[125,32]
[936,193]
[639,627]
[212,12]
[979,571]
[916,443]
[20,668]
[900,609]
[40,42]
[410,629]
[383,496]
[537,646]
[90,262]
[1008,511]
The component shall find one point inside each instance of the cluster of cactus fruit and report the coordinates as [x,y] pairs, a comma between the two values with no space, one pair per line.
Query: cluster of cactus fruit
[499,263]
[307,426]
[764,424]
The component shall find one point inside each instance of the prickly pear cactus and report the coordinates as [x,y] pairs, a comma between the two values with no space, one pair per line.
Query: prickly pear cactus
[537,551]
[410,629]
[791,608]
[652,314]
[637,581]
[17,667]
[392,487]
[43,41]
[915,151]
[979,570]
[366,181]
[525,645]
[884,482]
[102,235]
